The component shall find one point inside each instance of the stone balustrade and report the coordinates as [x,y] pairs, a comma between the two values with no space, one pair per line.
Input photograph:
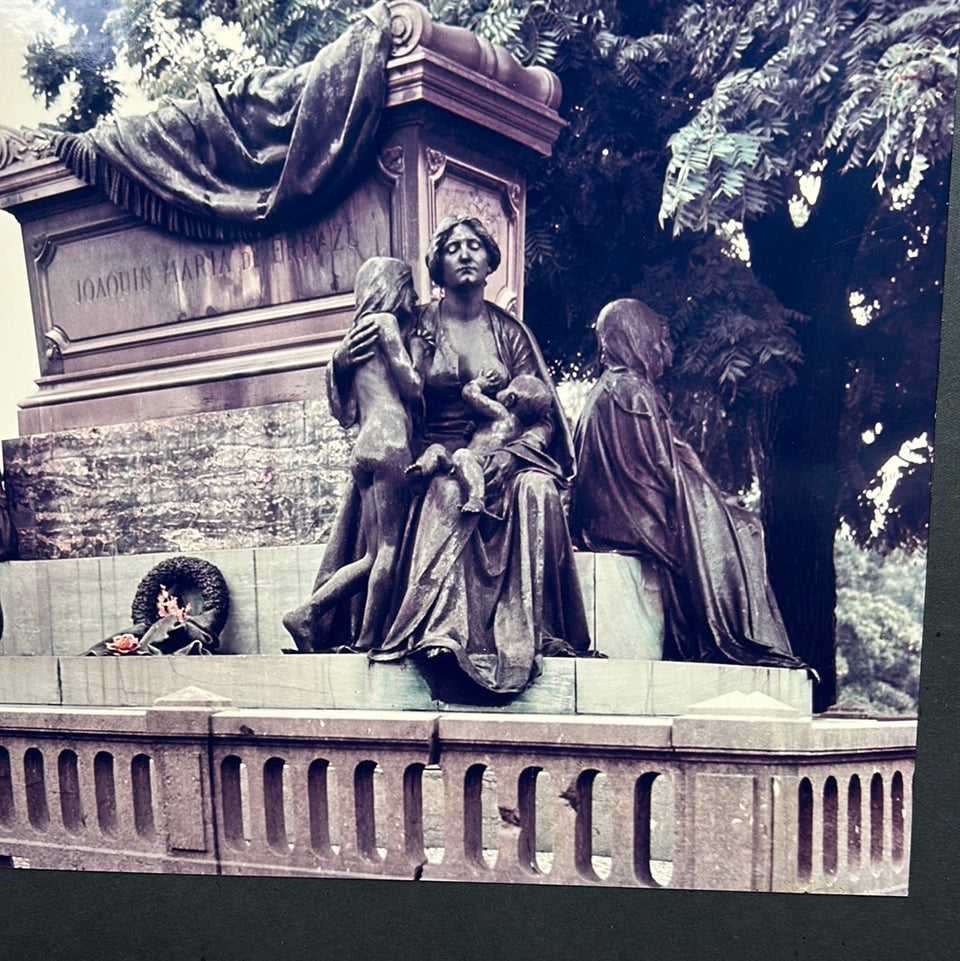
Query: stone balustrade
[741,792]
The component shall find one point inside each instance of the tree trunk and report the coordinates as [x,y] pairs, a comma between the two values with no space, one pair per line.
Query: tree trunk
[809,269]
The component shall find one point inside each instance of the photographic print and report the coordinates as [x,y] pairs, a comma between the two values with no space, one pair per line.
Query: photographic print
[484,440]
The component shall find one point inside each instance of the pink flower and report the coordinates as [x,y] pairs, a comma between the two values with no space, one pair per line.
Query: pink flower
[123,644]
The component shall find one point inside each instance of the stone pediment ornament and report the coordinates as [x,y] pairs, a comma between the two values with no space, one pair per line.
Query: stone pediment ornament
[23,145]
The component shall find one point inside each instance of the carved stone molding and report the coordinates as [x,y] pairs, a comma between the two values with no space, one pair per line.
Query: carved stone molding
[52,362]
[22,146]
[413,29]
[391,161]
[43,249]
[436,161]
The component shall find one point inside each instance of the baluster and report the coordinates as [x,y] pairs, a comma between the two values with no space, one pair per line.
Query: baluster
[816,846]
[626,826]
[565,773]
[843,827]
[126,833]
[298,825]
[404,816]
[457,808]
[257,848]
[516,834]
[356,812]
[887,860]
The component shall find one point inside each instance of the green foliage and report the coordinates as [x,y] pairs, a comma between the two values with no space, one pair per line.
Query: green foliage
[85,60]
[879,628]
[866,80]
[736,352]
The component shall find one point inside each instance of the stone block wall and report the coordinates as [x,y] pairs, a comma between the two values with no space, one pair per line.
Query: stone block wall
[249,477]
[64,606]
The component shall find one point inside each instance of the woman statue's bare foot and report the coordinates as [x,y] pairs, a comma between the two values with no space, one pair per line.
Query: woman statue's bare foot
[299,625]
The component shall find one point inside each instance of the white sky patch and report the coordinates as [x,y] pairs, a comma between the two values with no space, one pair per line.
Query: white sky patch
[912,452]
[735,243]
[809,182]
[861,311]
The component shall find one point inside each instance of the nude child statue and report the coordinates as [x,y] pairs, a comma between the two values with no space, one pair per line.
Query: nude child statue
[384,383]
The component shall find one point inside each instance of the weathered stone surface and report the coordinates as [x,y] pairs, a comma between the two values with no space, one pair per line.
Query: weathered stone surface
[103,283]
[553,692]
[243,478]
[29,680]
[305,681]
[629,610]
[671,687]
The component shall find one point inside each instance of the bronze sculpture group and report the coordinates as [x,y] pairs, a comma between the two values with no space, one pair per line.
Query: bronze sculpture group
[452,538]
[495,589]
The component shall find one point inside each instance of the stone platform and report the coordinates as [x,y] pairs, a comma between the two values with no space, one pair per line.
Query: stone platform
[54,610]
[63,607]
[567,686]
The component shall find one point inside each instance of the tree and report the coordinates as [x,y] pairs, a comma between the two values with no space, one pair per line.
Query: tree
[696,130]
[879,627]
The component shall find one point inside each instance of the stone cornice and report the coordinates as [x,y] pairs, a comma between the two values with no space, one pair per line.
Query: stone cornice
[415,31]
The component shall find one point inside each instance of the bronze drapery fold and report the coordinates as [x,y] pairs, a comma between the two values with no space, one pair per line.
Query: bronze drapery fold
[272,149]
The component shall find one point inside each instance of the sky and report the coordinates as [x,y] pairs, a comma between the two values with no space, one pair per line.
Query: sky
[20,21]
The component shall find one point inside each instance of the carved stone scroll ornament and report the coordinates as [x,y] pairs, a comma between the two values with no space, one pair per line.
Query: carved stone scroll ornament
[412,28]
[436,161]
[23,146]
[391,160]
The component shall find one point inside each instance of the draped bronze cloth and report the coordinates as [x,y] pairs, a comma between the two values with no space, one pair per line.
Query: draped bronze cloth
[273,148]
[498,590]
[641,490]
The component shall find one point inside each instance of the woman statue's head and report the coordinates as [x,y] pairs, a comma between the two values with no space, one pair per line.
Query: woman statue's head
[385,285]
[461,236]
[635,336]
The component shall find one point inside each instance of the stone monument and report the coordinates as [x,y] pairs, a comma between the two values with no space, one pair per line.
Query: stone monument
[162,356]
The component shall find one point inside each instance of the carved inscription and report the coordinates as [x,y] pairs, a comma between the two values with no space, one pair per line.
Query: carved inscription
[138,277]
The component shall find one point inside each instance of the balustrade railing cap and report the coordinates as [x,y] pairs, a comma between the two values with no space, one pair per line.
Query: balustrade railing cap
[740,704]
[194,697]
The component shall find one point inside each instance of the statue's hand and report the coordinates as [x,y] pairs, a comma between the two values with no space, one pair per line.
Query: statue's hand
[500,467]
[488,380]
[357,346]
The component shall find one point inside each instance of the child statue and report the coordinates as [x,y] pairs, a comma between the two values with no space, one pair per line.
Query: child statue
[524,402]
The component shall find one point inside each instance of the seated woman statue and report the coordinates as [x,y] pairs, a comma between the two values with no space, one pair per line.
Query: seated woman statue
[494,589]
[641,490]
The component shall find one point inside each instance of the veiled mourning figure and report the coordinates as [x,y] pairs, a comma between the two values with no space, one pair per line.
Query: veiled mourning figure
[496,589]
[641,490]
[383,386]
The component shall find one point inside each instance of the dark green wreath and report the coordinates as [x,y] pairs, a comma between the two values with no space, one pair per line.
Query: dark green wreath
[186,578]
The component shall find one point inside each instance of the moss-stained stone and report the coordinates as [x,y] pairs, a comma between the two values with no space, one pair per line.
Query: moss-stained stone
[253,477]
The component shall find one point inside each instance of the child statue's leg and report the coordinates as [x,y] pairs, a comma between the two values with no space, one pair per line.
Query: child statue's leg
[469,473]
[387,499]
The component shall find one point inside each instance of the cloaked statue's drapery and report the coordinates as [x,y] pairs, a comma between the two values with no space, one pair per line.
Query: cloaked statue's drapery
[641,490]
[274,147]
